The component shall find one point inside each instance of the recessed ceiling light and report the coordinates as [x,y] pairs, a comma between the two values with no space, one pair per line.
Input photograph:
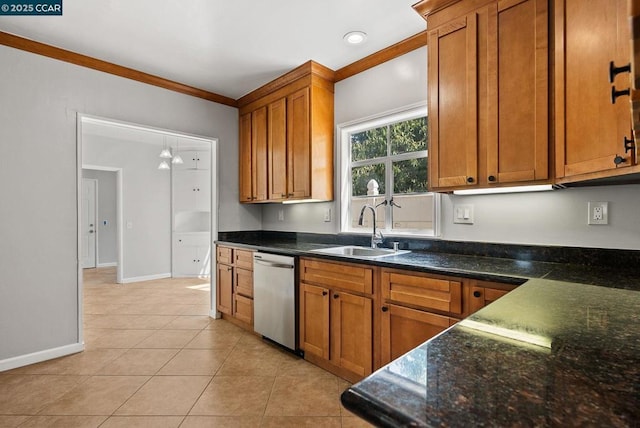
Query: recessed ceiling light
[355,37]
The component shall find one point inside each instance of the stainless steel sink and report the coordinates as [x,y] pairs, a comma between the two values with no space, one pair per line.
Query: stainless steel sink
[360,252]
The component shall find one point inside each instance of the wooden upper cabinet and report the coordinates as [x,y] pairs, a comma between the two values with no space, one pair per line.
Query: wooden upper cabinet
[298,145]
[246,191]
[590,129]
[291,136]
[488,94]
[277,149]
[517,94]
[453,119]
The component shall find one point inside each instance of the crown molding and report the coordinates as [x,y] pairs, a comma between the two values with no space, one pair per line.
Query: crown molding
[32,46]
[405,46]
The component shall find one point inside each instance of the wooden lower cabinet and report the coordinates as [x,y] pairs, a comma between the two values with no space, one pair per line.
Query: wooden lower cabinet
[404,328]
[337,324]
[224,289]
[314,320]
[234,285]
[351,332]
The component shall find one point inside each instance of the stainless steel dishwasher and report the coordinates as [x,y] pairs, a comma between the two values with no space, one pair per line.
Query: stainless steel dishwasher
[274,298]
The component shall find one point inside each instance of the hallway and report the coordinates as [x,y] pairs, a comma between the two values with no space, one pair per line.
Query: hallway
[154,358]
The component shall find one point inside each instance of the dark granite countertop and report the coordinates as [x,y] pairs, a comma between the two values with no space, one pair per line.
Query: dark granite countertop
[562,349]
[549,353]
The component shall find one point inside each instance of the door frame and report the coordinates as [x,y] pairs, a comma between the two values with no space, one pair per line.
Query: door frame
[213,236]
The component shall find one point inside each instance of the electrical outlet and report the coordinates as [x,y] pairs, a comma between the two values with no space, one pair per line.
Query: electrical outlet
[598,213]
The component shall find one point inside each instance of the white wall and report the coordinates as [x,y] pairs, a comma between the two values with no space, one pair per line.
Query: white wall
[146,202]
[547,218]
[107,212]
[38,250]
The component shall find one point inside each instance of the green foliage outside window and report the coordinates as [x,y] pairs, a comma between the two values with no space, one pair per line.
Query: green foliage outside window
[410,175]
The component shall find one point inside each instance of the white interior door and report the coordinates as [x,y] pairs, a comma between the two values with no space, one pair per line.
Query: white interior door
[89,222]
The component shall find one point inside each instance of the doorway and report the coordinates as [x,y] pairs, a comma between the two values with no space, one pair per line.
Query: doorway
[145,222]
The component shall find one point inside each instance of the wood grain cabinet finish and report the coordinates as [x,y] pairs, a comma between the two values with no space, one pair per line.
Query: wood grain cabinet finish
[480,294]
[336,316]
[291,138]
[591,130]
[488,86]
[405,328]
[421,290]
[234,285]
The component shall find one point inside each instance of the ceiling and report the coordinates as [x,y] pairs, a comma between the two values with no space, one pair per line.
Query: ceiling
[228,47]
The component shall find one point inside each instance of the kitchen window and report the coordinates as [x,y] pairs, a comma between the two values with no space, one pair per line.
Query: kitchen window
[384,165]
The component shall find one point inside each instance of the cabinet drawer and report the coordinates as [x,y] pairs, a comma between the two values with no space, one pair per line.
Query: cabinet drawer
[348,277]
[244,259]
[243,308]
[424,291]
[244,282]
[224,255]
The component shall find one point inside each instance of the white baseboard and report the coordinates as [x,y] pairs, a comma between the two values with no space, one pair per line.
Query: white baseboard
[214,314]
[146,278]
[110,264]
[37,357]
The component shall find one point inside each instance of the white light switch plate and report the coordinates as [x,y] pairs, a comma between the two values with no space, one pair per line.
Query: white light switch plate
[463,214]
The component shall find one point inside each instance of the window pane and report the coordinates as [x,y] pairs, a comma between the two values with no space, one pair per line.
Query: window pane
[409,136]
[369,144]
[367,218]
[416,212]
[361,175]
[410,176]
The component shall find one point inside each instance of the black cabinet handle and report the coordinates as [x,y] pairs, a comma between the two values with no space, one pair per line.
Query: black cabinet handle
[324,293]
[629,144]
[615,94]
[470,180]
[618,160]
[492,178]
[385,309]
[335,296]
[477,293]
[614,71]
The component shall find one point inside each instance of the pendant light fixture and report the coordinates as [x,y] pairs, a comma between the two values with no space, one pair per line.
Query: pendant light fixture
[164,154]
[177,159]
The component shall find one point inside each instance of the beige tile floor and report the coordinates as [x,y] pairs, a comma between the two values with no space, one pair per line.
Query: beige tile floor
[154,358]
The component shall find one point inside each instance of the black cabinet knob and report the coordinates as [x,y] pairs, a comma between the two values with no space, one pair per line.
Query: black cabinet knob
[335,296]
[618,160]
[470,180]
[477,293]
[492,178]
[324,293]
[385,309]
[614,71]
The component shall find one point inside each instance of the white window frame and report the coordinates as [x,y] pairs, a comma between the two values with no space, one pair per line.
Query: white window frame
[344,130]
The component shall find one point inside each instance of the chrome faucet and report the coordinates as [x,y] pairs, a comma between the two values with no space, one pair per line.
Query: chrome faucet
[376,237]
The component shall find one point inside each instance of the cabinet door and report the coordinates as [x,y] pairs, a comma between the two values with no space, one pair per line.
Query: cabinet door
[314,320]
[517,139]
[590,129]
[481,297]
[202,260]
[246,192]
[192,191]
[403,329]
[351,332]
[277,154]
[453,119]
[243,308]
[244,282]
[259,154]
[224,289]
[298,145]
